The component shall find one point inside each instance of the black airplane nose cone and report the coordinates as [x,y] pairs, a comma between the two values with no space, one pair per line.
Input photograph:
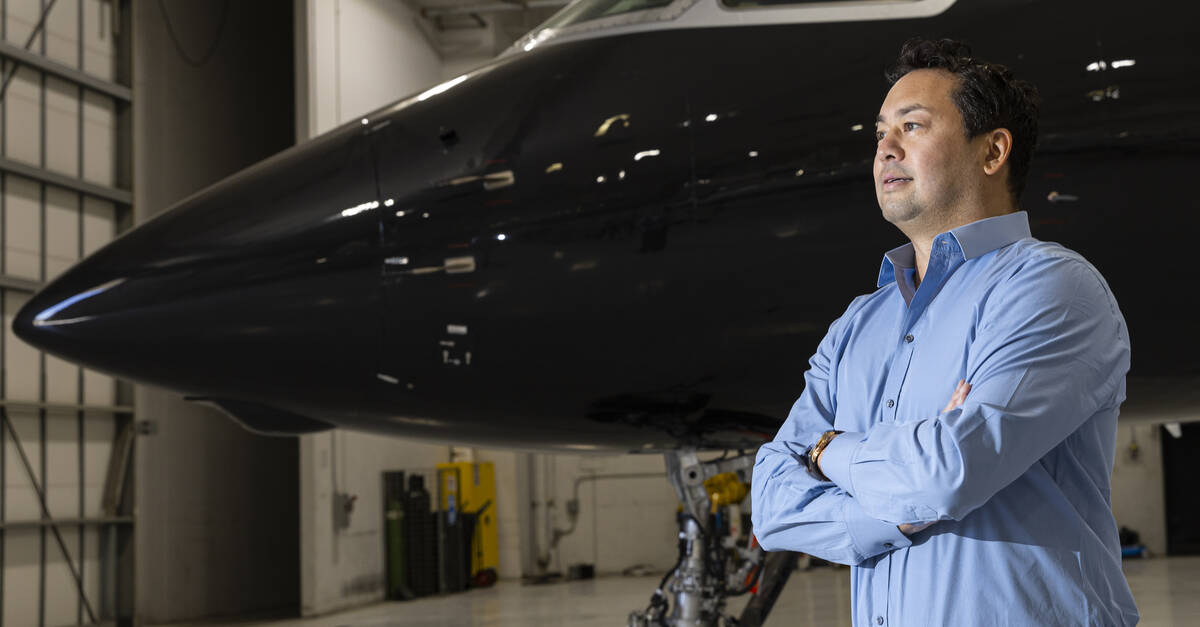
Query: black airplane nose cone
[61,318]
[56,308]
[23,322]
[258,288]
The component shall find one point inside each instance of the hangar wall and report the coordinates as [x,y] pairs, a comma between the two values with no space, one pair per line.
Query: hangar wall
[354,56]
[1137,484]
[217,505]
[56,139]
[626,512]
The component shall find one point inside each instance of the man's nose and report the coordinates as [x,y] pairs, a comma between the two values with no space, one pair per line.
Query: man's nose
[888,149]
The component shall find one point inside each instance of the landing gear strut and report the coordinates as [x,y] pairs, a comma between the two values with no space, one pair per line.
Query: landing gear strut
[711,567]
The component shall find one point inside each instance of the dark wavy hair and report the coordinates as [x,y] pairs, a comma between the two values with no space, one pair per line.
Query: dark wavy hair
[988,96]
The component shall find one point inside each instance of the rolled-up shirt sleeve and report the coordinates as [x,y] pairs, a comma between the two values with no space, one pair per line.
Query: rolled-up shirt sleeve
[1052,350]
[793,511]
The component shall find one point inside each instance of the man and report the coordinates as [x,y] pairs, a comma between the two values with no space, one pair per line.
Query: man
[993,508]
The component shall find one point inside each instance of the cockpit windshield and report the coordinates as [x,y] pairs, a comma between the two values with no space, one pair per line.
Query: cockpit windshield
[587,10]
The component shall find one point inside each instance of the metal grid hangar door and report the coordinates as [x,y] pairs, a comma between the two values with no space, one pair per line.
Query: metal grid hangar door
[66,434]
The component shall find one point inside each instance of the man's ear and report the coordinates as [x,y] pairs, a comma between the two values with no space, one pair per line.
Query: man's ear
[999,147]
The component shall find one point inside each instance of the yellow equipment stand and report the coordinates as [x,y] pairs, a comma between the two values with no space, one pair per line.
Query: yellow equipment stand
[470,487]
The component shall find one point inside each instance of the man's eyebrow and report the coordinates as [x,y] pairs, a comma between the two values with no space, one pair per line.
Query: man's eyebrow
[903,111]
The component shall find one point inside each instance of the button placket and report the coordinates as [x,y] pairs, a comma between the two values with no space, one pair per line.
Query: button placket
[895,383]
[897,373]
[881,584]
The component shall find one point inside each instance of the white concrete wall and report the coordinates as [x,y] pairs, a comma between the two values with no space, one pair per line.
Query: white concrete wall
[1137,485]
[622,521]
[358,55]
[343,568]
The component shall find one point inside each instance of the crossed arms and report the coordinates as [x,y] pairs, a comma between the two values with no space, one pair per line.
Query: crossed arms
[1047,355]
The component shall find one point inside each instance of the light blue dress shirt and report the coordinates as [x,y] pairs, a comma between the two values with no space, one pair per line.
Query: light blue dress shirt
[1017,477]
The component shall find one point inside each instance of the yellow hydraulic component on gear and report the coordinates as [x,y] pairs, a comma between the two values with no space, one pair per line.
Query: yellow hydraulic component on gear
[725,489]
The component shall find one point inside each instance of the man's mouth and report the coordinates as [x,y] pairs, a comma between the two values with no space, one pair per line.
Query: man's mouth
[893,182]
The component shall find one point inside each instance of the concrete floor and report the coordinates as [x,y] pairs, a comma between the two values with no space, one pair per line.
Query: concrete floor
[1167,592]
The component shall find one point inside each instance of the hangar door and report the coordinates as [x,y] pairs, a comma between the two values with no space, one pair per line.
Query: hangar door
[66,433]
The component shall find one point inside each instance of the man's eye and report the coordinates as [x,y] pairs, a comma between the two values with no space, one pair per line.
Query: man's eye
[878,136]
[908,126]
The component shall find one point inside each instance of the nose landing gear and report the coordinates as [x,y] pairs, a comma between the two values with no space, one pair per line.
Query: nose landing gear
[717,560]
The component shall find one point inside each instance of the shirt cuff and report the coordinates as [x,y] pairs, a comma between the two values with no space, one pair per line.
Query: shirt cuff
[870,536]
[835,461]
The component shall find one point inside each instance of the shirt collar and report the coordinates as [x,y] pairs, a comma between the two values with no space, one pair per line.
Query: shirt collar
[972,240]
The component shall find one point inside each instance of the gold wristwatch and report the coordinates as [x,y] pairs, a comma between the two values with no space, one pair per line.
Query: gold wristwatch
[814,453]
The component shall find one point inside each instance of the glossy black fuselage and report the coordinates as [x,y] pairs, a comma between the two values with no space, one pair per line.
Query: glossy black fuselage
[661,227]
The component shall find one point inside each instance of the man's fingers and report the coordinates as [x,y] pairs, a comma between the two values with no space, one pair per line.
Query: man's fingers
[959,397]
[909,529]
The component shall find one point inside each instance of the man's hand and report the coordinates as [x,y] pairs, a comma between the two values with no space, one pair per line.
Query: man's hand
[959,396]
[956,400]
[908,530]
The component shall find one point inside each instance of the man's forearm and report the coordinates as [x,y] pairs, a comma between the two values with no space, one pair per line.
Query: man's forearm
[793,511]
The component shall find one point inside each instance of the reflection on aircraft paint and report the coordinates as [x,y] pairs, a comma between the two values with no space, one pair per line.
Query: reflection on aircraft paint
[689,221]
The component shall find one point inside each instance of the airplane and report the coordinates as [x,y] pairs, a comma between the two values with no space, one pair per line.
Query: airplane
[629,232]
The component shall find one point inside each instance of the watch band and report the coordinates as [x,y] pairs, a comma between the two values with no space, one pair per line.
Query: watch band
[814,454]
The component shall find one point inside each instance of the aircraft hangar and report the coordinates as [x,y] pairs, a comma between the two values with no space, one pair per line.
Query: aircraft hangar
[475,312]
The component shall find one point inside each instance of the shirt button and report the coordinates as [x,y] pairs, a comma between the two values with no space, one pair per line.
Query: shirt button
[878,620]
[891,403]
[908,338]
[887,544]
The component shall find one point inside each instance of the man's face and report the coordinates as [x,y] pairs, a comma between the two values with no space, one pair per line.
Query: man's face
[923,160]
